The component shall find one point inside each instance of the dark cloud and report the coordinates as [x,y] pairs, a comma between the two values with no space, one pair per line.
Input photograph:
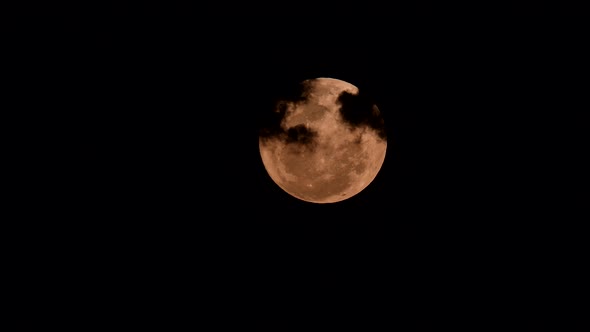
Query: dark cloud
[360,111]
[296,93]
[300,134]
[271,122]
[270,127]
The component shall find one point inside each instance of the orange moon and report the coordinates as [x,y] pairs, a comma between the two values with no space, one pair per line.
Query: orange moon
[325,142]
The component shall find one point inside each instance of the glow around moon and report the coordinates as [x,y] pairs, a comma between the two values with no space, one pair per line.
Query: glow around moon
[324,142]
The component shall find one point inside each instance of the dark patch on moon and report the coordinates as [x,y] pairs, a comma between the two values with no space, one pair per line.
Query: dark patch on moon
[358,139]
[300,137]
[300,134]
[270,127]
[296,93]
[358,110]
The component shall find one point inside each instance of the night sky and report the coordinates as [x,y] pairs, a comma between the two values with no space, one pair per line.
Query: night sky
[468,197]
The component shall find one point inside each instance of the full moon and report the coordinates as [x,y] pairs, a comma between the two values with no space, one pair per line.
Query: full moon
[324,142]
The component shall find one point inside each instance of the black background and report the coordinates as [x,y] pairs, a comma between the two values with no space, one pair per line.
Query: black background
[474,203]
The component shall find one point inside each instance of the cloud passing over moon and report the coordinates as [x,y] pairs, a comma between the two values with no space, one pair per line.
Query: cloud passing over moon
[323,142]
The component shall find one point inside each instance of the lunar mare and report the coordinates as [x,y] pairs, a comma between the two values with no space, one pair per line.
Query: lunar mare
[325,146]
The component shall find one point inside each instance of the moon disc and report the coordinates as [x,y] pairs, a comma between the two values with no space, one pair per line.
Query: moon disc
[325,143]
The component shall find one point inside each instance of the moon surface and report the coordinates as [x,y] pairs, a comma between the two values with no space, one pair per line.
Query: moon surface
[324,141]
